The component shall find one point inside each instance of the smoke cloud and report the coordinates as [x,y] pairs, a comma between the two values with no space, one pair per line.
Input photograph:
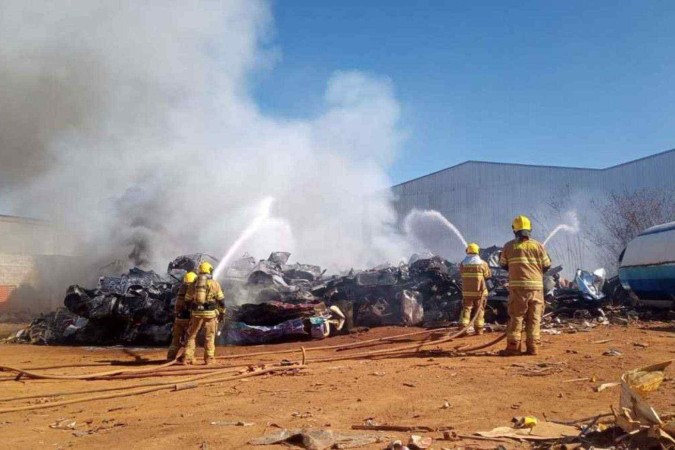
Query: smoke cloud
[133,125]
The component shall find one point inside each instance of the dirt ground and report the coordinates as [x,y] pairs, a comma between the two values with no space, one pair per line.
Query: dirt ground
[482,392]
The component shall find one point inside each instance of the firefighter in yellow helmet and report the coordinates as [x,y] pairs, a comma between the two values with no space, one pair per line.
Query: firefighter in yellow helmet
[182,316]
[205,300]
[527,261]
[475,273]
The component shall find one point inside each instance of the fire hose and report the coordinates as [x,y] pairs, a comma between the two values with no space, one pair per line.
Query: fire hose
[206,376]
[191,382]
[342,347]
[123,373]
[31,374]
[170,385]
[338,347]
[416,346]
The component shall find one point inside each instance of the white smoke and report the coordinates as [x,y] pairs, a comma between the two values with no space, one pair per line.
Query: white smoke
[133,124]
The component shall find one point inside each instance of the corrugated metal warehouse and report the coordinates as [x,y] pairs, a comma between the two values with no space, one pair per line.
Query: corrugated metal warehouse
[481,199]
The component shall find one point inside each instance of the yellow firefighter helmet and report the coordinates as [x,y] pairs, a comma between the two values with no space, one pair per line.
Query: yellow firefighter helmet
[205,267]
[189,277]
[472,249]
[521,223]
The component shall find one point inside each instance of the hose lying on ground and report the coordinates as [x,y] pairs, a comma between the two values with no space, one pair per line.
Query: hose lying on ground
[213,370]
[416,346]
[31,374]
[171,385]
[123,373]
[336,347]
[216,371]
[191,381]
[481,346]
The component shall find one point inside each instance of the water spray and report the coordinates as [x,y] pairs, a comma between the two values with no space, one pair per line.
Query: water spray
[432,216]
[574,228]
[562,226]
[264,209]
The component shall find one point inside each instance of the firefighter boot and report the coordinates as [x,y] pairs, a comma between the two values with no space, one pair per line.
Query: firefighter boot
[510,350]
[532,348]
[209,361]
[479,331]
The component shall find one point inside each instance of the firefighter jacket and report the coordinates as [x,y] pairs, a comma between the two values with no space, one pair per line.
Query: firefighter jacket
[205,297]
[475,273]
[180,309]
[526,260]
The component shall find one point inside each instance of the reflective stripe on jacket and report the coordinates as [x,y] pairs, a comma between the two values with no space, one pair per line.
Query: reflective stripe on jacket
[526,260]
[474,272]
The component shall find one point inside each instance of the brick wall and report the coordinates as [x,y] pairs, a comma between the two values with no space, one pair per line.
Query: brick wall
[5,291]
[38,282]
[15,270]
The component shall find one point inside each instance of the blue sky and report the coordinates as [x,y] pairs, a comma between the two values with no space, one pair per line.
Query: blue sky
[580,83]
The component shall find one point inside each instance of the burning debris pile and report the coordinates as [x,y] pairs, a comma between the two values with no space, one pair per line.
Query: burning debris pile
[267,300]
[134,308]
[385,295]
[271,300]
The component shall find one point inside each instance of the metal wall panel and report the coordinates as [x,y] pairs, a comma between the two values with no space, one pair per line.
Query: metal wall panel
[482,198]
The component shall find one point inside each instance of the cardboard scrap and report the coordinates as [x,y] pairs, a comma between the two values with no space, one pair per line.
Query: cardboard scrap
[543,431]
[636,413]
[317,439]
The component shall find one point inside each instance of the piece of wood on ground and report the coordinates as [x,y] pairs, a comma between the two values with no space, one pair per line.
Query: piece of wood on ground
[401,428]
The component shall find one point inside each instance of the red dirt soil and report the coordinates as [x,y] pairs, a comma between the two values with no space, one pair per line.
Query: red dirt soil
[483,392]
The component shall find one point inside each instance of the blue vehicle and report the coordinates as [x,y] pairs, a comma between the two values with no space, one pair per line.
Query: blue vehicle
[647,266]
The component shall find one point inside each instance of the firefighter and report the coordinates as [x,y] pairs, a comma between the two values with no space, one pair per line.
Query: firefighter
[205,300]
[527,261]
[475,273]
[182,317]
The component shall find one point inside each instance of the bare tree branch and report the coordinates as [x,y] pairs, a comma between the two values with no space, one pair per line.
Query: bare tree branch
[626,214]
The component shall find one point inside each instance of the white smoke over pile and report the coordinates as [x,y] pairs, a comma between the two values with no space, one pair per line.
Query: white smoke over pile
[133,124]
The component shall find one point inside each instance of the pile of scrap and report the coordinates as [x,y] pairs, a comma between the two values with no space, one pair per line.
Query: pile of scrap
[131,309]
[426,291]
[271,300]
[268,300]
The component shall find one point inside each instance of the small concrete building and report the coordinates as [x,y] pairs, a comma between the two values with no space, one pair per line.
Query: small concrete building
[34,256]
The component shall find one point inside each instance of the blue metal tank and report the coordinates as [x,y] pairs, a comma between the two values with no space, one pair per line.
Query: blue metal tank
[647,266]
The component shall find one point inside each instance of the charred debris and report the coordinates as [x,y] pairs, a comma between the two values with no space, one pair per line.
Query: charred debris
[271,300]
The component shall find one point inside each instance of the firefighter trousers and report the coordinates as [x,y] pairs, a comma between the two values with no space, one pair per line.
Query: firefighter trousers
[525,305]
[472,304]
[197,323]
[177,333]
